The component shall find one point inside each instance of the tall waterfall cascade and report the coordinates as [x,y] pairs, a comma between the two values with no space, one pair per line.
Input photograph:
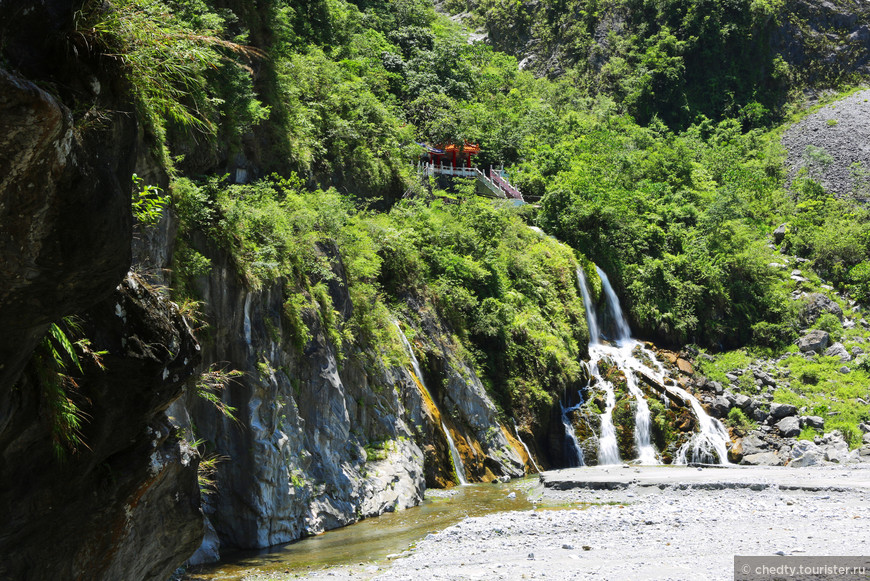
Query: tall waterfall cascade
[709,445]
[454,452]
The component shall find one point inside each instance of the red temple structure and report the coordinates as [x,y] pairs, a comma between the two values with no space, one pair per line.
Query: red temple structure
[452,154]
[452,161]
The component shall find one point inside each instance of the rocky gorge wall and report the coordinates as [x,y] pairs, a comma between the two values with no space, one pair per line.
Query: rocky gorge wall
[322,441]
[124,502]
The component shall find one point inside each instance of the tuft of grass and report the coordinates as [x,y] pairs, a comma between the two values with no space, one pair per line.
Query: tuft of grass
[55,359]
[210,386]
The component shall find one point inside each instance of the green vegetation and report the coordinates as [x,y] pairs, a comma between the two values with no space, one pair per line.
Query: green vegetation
[738,419]
[54,363]
[508,293]
[822,390]
[148,204]
[210,385]
[653,154]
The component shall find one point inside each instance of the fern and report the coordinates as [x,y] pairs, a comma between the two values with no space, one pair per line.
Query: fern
[55,358]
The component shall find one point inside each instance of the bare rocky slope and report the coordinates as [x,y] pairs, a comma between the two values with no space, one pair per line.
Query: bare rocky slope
[841,130]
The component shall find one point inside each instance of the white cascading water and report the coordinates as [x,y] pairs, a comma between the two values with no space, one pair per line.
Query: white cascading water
[454,452]
[454,455]
[526,448]
[706,445]
[712,437]
[573,452]
[623,333]
[608,450]
[622,355]
[591,319]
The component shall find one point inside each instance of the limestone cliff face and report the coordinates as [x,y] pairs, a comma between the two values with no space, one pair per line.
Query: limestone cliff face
[125,504]
[321,441]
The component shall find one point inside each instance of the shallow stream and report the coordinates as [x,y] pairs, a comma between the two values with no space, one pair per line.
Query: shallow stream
[376,539]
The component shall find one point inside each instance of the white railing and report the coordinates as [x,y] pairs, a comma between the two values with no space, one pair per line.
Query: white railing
[431,169]
[495,183]
[510,190]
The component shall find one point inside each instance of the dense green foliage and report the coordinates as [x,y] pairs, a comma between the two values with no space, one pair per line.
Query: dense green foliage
[677,60]
[509,294]
[651,155]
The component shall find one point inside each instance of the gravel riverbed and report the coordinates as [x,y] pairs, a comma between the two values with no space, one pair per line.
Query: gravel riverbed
[646,530]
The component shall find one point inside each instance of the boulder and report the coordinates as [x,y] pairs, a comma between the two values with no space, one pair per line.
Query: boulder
[815,422]
[782,410]
[838,350]
[815,340]
[758,414]
[817,305]
[779,234]
[835,448]
[715,387]
[864,427]
[789,427]
[752,444]
[762,459]
[742,401]
[805,453]
[735,453]
[720,406]
[684,366]
[866,439]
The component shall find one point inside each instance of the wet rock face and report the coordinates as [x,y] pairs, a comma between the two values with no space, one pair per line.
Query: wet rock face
[324,440]
[127,505]
[65,211]
[320,443]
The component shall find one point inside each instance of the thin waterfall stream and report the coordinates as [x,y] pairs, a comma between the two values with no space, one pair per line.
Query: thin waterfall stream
[458,466]
[526,448]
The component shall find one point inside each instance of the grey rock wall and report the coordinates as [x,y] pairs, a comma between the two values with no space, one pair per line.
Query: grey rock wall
[322,441]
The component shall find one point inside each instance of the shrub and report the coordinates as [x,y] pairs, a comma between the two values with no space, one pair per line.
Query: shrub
[738,419]
[831,323]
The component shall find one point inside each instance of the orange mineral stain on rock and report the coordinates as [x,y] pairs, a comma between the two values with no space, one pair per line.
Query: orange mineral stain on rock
[520,449]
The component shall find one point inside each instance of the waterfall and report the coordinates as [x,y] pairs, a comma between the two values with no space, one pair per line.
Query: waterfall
[646,453]
[526,448]
[708,445]
[458,466]
[591,319]
[573,451]
[712,437]
[608,450]
[454,456]
[623,333]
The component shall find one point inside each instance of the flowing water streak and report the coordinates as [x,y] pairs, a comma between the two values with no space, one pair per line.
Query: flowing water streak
[623,333]
[608,450]
[573,452]
[591,319]
[454,453]
[710,444]
[712,437]
[625,360]
[520,438]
